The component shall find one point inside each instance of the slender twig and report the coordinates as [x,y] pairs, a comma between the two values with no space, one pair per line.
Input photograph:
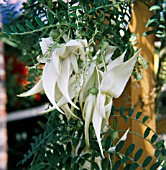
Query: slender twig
[120,154]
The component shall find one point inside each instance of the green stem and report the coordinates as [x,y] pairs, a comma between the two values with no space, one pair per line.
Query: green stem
[135,120]
[136,134]
[110,5]
[52,12]
[41,29]
[120,154]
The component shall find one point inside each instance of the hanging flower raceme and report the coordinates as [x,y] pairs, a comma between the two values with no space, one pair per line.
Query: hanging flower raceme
[101,80]
[57,78]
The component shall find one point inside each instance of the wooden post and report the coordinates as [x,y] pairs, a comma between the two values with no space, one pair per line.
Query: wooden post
[140,96]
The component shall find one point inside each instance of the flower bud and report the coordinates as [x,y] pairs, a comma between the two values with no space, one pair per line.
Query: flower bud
[54,34]
[93,91]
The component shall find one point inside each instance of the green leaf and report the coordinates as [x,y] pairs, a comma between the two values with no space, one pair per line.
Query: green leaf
[76,166]
[161,159]
[39,166]
[59,16]
[50,158]
[145,119]
[108,142]
[147,161]
[155,166]
[104,164]
[94,166]
[113,110]
[6,29]
[151,23]
[162,26]
[14,28]
[157,153]
[39,21]
[87,155]
[160,36]
[147,131]
[115,123]
[29,24]
[155,8]
[131,111]
[160,144]
[138,154]
[116,165]
[81,161]
[106,31]
[119,146]
[138,115]
[127,167]
[63,4]
[50,18]
[124,160]
[50,4]
[74,160]
[40,136]
[122,110]
[164,165]
[21,28]
[164,152]
[134,166]
[154,138]
[41,124]
[125,118]
[69,148]
[149,32]
[66,16]
[130,149]
[65,158]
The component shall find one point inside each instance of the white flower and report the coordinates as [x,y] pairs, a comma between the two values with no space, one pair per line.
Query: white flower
[112,85]
[99,83]
[58,70]
[88,114]
[115,79]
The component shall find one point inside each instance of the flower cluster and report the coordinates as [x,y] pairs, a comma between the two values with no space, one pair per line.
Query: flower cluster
[74,77]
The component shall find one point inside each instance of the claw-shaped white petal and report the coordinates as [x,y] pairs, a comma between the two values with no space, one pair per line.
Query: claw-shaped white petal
[68,111]
[36,89]
[115,80]
[87,114]
[97,122]
[45,43]
[49,78]
[63,81]
[116,62]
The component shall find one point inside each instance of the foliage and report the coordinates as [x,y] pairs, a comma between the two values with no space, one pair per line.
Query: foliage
[62,144]
[158,27]
[109,18]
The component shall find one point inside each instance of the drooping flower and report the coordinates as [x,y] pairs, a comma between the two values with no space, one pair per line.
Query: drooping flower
[100,80]
[112,85]
[60,63]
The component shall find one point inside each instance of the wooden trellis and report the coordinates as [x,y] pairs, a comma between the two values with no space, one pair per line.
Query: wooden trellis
[140,96]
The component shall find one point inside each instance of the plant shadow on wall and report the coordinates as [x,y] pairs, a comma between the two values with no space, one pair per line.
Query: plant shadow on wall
[82,57]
